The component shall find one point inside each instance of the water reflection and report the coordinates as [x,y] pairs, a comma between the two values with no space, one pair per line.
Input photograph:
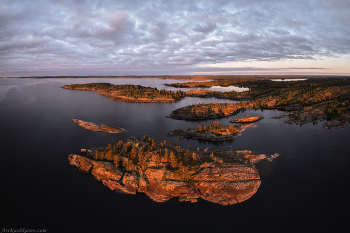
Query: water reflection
[288,79]
[229,88]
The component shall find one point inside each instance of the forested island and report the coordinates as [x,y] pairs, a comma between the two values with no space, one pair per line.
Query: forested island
[141,94]
[128,92]
[163,171]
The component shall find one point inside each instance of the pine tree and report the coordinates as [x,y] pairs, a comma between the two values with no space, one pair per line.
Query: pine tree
[116,161]
[173,160]
[157,159]
[133,153]
[166,155]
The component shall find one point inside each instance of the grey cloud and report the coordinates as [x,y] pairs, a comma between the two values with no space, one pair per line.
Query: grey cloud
[134,34]
[206,27]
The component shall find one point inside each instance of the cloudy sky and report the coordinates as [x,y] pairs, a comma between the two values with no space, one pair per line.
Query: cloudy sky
[142,37]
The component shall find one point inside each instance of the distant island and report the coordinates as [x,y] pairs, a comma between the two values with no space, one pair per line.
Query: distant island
[98,127]
[163,171]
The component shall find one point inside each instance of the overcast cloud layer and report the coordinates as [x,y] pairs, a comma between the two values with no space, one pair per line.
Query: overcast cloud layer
[65,37]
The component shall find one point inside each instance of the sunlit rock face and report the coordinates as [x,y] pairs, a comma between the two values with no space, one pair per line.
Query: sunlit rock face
[222,183]
[248,119]
[97,127]
[228,193]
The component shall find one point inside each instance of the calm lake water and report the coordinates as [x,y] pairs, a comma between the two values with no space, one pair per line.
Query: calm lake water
[305,189]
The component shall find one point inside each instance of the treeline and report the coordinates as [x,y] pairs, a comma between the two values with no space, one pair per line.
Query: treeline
[215,107]
[127,90]
[238,81]
[136,155]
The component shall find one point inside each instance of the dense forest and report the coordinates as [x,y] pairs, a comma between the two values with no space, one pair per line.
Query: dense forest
[136,154]
[128,90]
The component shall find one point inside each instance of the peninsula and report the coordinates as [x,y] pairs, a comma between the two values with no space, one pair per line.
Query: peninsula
[98,127]
[163,171]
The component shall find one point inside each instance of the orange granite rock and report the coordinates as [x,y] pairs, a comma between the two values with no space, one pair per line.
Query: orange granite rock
[215,182]
[98,127]
[248,119]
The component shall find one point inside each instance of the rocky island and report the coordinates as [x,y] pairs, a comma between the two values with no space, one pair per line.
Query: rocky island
[163,171]
[128,92]
[215,132]
[248,119]
[205,111]
[98,127]
[141,94]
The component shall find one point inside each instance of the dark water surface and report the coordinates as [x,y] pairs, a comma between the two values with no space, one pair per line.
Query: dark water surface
[306,189]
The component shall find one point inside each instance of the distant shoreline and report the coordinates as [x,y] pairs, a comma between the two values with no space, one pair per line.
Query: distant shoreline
[191,77]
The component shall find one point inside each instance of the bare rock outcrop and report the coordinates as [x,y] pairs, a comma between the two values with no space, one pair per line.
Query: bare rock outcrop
[335,124]
[98,127]
[226,172]
[248,119]
[228,193]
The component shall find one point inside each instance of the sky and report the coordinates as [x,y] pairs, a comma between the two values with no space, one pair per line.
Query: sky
[142,37]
